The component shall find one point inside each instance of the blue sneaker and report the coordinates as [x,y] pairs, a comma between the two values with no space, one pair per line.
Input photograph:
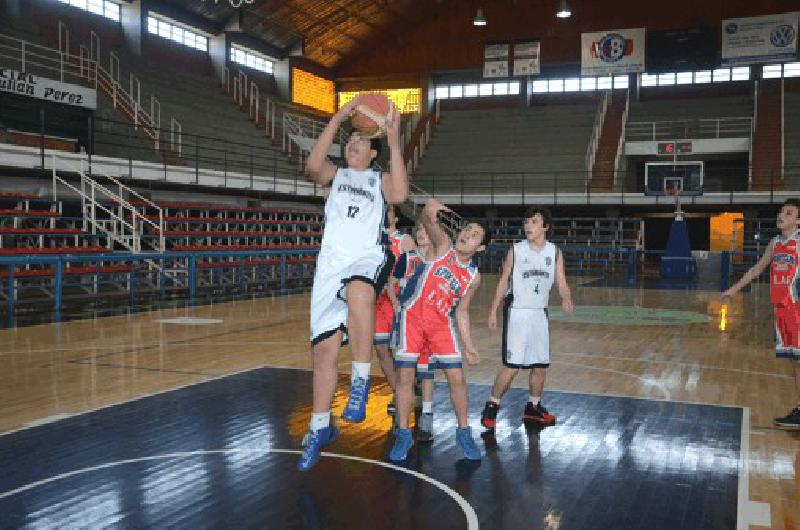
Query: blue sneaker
[403,440]
[467,443]
[313,442]
[356,409]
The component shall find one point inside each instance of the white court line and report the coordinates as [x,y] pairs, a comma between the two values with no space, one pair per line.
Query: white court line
[645,380]
[469,512]
[748,512]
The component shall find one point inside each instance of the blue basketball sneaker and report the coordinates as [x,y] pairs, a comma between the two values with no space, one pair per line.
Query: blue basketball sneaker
[403,440]
[467,443]
[312,444]
[356,409]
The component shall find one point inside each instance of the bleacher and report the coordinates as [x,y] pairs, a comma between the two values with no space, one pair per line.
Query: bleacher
[500,148]
[690,117]
[225,243]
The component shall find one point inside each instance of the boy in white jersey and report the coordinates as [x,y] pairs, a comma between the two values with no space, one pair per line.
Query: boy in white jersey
[353,266]
[532,265]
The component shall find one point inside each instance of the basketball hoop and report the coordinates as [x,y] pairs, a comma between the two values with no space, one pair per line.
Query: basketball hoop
[673,188]
[236,4]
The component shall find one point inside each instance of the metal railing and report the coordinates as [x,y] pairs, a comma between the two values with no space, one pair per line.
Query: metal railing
[621,143]
[739,127]
[597,129]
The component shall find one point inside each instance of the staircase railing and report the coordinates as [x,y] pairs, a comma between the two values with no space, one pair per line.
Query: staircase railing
[597,130]
[118,219]
[420,137]
[621,142]
[82,68]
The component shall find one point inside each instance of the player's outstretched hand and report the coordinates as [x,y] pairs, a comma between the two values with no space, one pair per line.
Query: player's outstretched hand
[349,107]
[567,305]
[473,357]
[492,321]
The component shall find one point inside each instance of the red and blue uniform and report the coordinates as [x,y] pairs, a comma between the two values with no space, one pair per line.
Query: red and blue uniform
[384,312]
[784,285]
[427,336]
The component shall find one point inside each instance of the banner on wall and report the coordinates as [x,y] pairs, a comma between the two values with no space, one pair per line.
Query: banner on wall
[22,84]
[495,60]
[617,51]
[526,58]
[759,39]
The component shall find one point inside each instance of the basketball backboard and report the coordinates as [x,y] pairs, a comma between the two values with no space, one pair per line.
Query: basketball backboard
[661,178]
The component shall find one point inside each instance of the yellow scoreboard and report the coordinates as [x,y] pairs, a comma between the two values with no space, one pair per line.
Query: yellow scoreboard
[405,99]
[313,91]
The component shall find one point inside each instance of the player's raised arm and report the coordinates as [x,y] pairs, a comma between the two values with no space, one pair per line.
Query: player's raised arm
[463,321]
[395,187]
[440,240]
[502,288]
[319,168]
[753,273]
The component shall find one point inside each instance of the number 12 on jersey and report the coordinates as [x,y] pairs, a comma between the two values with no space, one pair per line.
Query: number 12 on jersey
[352,211]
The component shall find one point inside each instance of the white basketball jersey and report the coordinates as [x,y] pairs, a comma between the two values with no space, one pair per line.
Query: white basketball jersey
[355,212]
[532,275]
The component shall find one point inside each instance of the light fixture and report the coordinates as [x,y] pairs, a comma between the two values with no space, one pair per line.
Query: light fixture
[479,19]
[236,4]
[563,11]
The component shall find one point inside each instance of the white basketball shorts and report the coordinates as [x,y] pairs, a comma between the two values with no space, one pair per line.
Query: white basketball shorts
[526,338]
[328,294]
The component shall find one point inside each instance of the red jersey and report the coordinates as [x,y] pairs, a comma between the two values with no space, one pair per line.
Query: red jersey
[435,289]
[396,248]
[784,276]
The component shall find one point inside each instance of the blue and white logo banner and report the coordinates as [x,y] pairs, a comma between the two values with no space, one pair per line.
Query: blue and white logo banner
[759,39]
[616,51]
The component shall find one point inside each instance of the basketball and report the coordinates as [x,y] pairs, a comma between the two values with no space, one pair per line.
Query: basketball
[370,116]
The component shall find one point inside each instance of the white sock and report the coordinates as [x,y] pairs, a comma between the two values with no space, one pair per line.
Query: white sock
[320,420]
[494,400]
[534,399]
[360,370]
[427,407]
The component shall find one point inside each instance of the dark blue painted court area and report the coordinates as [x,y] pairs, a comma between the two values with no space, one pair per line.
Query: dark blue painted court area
[209,456]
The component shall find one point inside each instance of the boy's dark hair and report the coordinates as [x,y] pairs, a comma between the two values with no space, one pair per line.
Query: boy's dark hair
[547,217]
[792,202]
[487,233]
[376,145]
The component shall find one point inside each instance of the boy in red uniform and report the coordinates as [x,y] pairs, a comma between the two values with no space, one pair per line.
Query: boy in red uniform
[384,312]
[783,256]
[434,302]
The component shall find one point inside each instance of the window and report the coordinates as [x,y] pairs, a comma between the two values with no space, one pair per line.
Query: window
[513,88]
[501,89]
[666,79]
[251,59]
[621,81]
[572,85]
[649,80]
[721,75]
[539,87]
[604,83]
[589,83]
[456,91]
[772,71]
[104,8]
[703,76]
[741,73]
[791,70]
[442,92]
[183,35]
[485,89]
[555,85]
[471,91]
[684,78]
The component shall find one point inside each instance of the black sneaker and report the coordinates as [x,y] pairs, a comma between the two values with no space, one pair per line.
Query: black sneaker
[425,427]
[489,414]
[791,421]
[538,414]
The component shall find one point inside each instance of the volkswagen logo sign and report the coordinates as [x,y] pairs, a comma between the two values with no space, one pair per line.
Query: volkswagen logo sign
[782,36]
[612,48]
[731,28]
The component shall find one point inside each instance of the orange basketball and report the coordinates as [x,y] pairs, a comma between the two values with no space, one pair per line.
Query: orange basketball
[370,115]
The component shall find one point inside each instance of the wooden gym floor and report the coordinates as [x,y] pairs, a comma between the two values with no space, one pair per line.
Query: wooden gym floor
[663,345]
